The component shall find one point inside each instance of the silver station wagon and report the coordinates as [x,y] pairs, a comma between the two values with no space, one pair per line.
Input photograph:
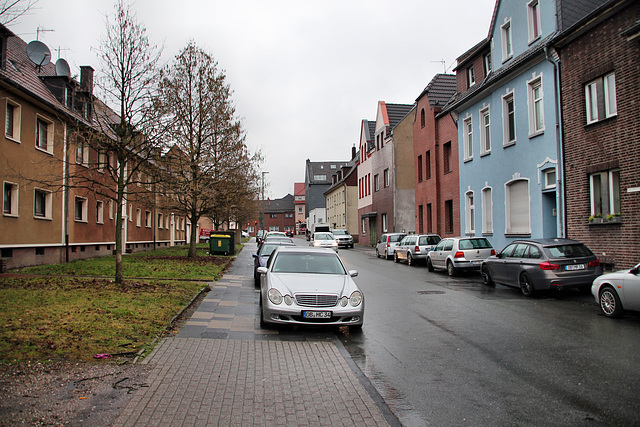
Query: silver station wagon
[459,253]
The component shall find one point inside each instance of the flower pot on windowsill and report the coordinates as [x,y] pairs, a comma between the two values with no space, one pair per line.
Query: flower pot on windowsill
[597,221]
[614,218]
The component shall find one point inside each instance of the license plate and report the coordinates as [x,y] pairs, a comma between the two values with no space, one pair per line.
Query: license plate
[316,314]
[476,262]
[573,267]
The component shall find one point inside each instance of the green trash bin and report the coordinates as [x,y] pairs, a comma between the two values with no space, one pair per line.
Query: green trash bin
[219,244]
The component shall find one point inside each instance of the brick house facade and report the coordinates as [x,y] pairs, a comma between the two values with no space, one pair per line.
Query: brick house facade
[437,207]
[600,63]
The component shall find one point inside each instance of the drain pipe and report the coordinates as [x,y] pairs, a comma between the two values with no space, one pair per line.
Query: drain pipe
[560,192]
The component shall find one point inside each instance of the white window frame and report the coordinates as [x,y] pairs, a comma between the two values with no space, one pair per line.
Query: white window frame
[384,223]
[536,106]
[130,212]
[591,100]
[471,76]
[111,204]
[49,137]
[102,161]
[506,118]
[612,196]
[147,219]
[376,182]
[48,201]
[138,217]
[99,212]
[485,131]
[548,182]
[387,178]
[487,210]
[610,103]
[12,196]
[16,120]
[510,209]
[533,17]
[469,213]
[507,41]
[160,220]
[467,135]
[83,209]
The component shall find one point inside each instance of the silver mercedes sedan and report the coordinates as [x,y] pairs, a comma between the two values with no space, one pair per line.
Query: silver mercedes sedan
[309,286]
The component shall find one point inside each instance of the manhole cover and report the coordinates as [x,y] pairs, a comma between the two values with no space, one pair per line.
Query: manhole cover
[431,292]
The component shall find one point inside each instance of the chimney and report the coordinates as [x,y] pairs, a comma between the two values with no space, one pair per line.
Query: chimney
[353,152]
[86,79]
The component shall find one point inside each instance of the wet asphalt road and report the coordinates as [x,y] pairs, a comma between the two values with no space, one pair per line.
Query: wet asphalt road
[449,351]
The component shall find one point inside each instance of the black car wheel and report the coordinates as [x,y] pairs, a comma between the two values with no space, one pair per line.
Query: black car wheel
[409,259]
[377,253]
[450,270]
[395,257]
[386,255]
[429,265]
[610,302]
[526,286]
[486,276]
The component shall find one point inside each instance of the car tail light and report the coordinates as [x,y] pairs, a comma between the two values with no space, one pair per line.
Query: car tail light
[416,249]
[594,263]
[459,254]
[493,251]
[548,266]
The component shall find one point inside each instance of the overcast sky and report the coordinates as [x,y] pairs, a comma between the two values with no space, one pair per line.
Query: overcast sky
[304,74]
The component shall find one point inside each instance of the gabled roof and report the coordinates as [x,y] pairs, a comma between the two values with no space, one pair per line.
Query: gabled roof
[322,168]
[284,204]
[440,89]
[397,112]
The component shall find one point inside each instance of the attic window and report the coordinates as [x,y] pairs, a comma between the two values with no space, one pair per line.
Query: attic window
[333,166]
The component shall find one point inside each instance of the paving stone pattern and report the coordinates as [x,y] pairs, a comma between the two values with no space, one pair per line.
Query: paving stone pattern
[222,369]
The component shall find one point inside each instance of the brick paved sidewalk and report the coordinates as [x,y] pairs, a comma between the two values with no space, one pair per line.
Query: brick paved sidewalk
[223,369]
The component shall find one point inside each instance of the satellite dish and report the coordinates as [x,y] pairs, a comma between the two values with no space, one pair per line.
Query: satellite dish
[38,53]
[62,68]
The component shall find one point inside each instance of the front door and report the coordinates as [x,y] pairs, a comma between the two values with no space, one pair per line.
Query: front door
[373,235]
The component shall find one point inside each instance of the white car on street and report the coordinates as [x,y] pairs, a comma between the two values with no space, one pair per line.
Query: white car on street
[619,291]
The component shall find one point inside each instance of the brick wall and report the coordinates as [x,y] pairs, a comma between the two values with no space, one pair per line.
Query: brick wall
[610,142]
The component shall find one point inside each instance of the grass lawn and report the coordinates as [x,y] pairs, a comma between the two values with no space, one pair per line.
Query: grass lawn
[65,314]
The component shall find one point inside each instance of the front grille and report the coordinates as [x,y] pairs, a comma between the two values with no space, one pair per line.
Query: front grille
[312,300]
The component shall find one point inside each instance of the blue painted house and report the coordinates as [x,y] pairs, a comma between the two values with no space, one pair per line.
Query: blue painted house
[509,133]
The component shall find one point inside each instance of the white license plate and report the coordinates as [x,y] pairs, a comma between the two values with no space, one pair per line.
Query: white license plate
[316,314]
[573,267]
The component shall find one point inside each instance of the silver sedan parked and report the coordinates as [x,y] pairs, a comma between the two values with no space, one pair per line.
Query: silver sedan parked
[616,292]
[309,286]
[541,264]
[415,247]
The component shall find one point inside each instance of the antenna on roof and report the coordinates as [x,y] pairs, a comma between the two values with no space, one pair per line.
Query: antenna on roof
[444,64]
[38,53]
[41,30]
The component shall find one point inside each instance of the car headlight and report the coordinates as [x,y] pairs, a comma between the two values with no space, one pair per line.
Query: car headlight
[288,300]
[334,243]
[356,298]
[275,296]
[344,301]
[316,243]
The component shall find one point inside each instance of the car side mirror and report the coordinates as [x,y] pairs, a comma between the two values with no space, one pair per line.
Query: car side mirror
[353,273]
[262,270]
[255,255]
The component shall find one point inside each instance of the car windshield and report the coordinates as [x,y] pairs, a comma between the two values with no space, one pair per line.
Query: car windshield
[396,238]
[323,236]
[340,232]
[307,263]
[568,251]
[481,243]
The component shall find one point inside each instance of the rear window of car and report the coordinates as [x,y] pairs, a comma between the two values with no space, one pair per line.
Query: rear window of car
[323,236]
[568,251]
[429,240]
[396,238]
[340,232]
[480,243]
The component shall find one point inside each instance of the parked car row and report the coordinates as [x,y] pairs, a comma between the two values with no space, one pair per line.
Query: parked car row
[532,265]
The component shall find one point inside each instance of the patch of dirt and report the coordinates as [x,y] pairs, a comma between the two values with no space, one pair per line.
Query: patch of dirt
[66,393]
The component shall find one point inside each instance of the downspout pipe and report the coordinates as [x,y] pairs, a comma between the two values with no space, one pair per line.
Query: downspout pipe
[560,188]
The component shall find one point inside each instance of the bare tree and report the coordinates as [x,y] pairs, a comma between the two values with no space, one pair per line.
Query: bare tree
[209,145]
[129,67]
[12,10]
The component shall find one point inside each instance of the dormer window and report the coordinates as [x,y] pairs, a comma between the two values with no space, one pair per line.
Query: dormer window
[487,64]
[471,76]
[507,46]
